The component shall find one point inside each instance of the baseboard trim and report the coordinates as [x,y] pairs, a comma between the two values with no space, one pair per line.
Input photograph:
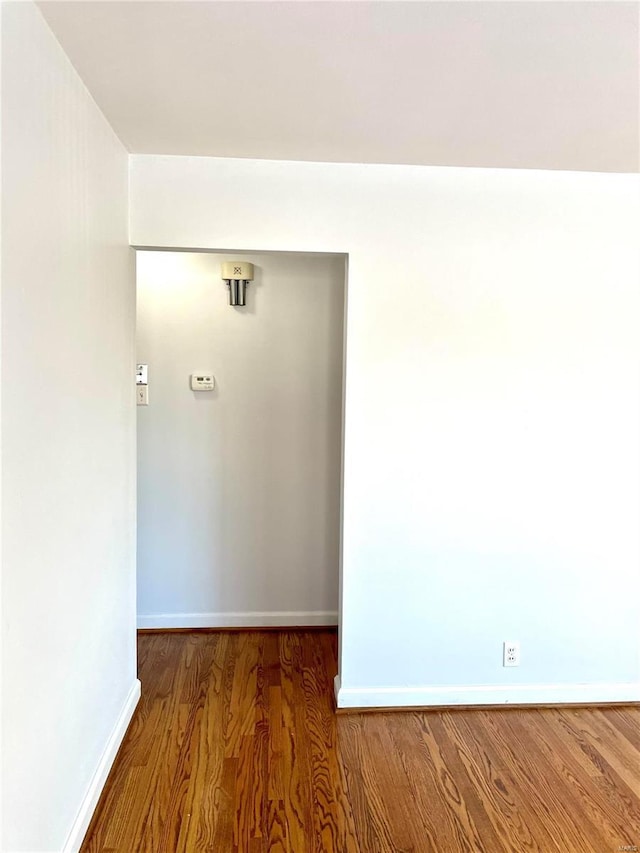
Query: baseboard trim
[355,698]
[90,801]
[250,619]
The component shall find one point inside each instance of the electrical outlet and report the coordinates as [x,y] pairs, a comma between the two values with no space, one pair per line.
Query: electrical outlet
[511,653]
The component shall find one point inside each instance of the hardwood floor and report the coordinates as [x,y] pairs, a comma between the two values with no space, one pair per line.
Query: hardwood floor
[235,748]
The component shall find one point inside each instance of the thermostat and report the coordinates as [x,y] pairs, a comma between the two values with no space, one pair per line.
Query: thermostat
[202,382]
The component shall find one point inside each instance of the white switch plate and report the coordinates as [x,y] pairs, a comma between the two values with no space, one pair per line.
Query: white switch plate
[142,374]
[142,395]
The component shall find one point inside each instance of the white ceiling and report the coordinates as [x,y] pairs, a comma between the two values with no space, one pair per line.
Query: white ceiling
[549,85]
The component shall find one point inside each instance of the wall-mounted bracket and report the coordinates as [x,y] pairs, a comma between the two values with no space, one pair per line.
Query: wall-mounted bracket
[237,275]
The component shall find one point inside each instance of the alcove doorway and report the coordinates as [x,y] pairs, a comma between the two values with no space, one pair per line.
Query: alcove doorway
[239,487]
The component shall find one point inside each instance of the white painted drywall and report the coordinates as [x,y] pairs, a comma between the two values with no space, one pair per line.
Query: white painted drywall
[68,443]
[239,489]
[519,85]
[492,410]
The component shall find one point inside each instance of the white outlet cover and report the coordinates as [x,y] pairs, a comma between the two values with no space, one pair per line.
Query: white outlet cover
[511,653]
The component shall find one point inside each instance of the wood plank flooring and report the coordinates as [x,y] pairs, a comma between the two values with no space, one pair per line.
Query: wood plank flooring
[235,748]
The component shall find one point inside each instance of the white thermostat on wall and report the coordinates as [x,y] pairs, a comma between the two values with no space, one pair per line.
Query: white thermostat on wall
[202,382]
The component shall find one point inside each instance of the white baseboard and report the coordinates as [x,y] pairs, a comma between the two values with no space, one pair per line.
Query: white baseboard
[250,619]
[90,801]
[490,694]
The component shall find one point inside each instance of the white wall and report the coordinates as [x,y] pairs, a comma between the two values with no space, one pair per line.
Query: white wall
[68,443]
[239,489]
[492,411]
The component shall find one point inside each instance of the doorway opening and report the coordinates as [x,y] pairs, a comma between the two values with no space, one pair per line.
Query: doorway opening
[240,484]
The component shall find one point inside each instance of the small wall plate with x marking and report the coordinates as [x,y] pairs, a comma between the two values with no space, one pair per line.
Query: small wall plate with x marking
[237,270]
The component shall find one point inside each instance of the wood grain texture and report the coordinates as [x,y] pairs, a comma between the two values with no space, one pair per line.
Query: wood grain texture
[236,748]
